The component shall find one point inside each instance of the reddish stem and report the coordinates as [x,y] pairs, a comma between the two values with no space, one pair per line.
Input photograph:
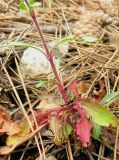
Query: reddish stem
[59,83]
[50,58]
[49,54]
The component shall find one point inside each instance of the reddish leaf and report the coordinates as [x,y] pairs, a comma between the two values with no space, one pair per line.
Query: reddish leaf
[79,88]
[42,117]
[83,129]
[74,88]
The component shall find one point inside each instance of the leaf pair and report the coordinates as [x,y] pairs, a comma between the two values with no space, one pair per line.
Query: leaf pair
[32,3]
[98,116]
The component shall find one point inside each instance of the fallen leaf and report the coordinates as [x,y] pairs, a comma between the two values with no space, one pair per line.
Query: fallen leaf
[24,131]
[5,150]
[6,125]
[19,131]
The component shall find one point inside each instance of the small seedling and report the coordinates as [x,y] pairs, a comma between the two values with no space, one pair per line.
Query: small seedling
[80,117]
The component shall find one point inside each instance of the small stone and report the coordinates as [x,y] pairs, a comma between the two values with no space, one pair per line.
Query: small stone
[33,63]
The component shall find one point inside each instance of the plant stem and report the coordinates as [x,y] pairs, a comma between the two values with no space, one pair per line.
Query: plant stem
[50,58]
[49,53]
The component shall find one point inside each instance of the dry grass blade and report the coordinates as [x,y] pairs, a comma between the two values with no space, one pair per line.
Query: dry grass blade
[18,38]
[22,108]
[30,105]
[116,144]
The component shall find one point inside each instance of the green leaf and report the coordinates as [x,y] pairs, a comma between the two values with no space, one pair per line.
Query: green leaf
[100,114]
[63,40]
[89,39]
[22,44]
[23,5]
[32,1]
[109,99]
[67,129]
[96,131]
